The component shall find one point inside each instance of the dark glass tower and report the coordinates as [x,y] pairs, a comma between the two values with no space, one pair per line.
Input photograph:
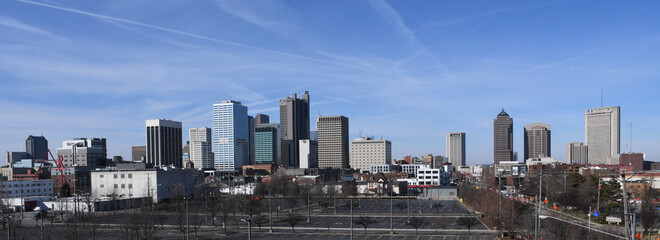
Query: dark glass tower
[294,126]
[36,147]
[502,138]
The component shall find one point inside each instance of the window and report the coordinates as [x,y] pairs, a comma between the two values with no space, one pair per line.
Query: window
[130,186]
[101,185]
[123,186]
[116,185]
[122,176]
[130,175]
[115,176]
[101,176]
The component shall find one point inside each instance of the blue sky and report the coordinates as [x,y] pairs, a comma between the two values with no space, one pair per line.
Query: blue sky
[407,71]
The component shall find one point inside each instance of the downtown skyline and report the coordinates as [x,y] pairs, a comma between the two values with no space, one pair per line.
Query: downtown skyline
[408,73]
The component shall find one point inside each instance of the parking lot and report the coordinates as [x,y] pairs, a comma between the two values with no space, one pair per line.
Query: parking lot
[308,236]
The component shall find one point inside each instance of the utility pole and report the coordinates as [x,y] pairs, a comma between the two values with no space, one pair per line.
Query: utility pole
[187,219]
[537,222]
[308,204]
[626,212]
[391,208]
[41,214]
[270,211]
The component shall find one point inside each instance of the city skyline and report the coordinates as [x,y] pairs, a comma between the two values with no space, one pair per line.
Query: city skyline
[116,69]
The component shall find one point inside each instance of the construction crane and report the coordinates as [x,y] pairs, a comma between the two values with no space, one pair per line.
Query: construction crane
[58,163]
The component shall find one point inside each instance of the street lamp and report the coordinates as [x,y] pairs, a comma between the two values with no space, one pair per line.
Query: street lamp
[249,221]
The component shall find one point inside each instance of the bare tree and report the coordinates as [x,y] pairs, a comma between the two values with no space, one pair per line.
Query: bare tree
[468,222]
[437,206]
[648,216]
[293,219]
[128,228]
[416,222]
[365,221]
[400,206]
[225,208]
[260,220]
[146,225]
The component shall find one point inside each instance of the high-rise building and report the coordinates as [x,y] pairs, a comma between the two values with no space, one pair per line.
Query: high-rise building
[201,149]
[139,153]
[309,153]
[252,124]
[164,143]
[502,138]
[267,144]
[333,141]
[294,125]
[456,149]
[366,152]
[314,135]
[537,141]
[577,153]
[602,133]
[36,147]
[84,152]
[230,135]
[261,119]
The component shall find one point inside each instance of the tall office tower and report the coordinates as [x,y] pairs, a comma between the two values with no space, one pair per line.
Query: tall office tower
[537,141]
[502,138]
[201,149]
[309,153]
[456,149]
[139,153]
[164,143]
[366,152]
[577,153]
[36,147]
[602,133]
[230,135]
[252,124]
[261,119]
[267,137]
[333,141]
[294,125]
[83,152]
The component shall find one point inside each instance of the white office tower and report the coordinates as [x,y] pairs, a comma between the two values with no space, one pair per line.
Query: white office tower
[456,149]
[367,152]
[577,153]
[201,152]
[230,135]
[602,133]
[164,146]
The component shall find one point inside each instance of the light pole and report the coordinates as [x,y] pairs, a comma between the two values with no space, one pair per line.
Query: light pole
[308,213]
[391,208]
[41,214]
[270,211]
[9,226]
[351,217]
[187,219]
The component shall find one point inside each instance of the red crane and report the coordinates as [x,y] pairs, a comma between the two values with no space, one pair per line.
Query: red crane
[58,163]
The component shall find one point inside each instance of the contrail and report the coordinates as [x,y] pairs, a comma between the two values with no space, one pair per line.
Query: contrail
[104,17]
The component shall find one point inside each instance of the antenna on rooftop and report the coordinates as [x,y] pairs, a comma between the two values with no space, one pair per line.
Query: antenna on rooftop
[601,95]
[631,136]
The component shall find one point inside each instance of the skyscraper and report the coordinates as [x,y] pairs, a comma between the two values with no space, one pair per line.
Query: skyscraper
[602,133]
[294,125]
[502,138]
[201,150]
[84,152]
[230,135]
[164,143]
[267,144]
[252,124]
[577,153]
[537,140]
[261,119]
[456,149]
[36,147]
[333,141]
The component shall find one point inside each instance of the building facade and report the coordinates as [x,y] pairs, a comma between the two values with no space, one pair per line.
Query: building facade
[267,144]
[502,138]
[36,146]
[230,135]
[602,133]
[537,140]
[456,149]
[366,152]
[164,143]
[201,149]
[261,119]
[84,152]
[160,184]
[309,154]
[294,126]
[577,153]
[139,153]
[26,188]
[333,141]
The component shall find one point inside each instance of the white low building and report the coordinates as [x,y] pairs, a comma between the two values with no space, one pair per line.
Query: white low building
[26,188]
[160,184]
[429,176]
